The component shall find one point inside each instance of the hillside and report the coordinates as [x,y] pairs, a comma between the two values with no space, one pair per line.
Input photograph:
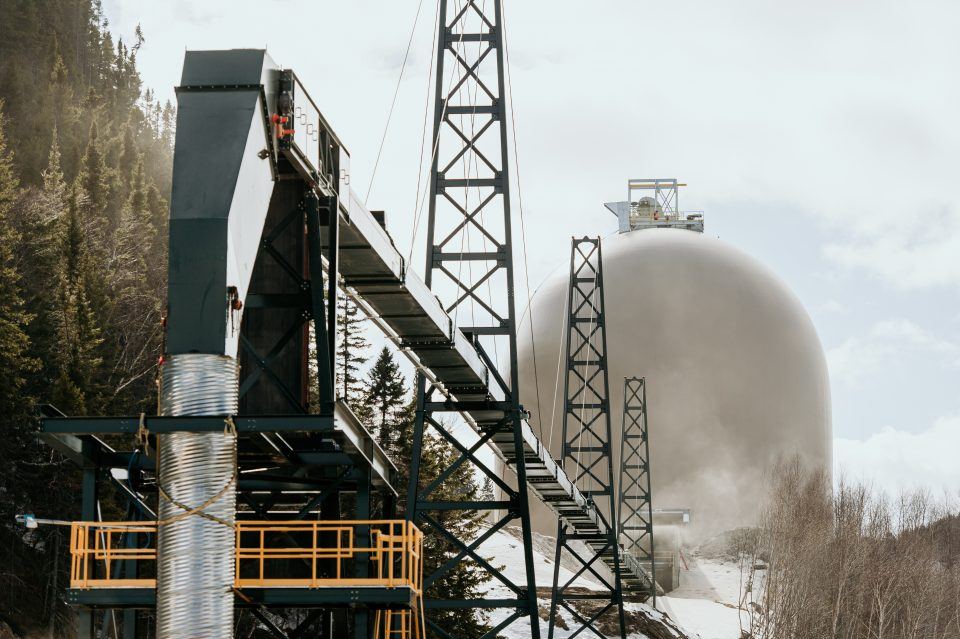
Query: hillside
[85,159]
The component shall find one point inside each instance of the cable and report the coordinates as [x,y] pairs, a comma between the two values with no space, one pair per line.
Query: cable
[393,103]
[523,224]
[436,142]
[556,381]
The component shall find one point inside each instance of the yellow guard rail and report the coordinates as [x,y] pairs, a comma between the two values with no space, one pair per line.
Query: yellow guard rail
[275,554]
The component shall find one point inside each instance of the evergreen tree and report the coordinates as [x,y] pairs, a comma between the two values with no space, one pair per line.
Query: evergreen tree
[14,319]
[77,388]
[40,217]
[136,301]
[79,183]
[93,177]
[53,181]
[384,395]
[352,345]
[466,580]
[129,157]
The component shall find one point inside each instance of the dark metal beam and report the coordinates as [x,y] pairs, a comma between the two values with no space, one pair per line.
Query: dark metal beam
[399,598]
[587,433]
[165,424]
[455,223]
[635,517]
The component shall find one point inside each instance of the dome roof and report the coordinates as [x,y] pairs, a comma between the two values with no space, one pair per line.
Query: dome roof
[736,376]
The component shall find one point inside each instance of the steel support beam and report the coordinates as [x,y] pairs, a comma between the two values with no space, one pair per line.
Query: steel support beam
[587,457]
[469,249]
[635,521]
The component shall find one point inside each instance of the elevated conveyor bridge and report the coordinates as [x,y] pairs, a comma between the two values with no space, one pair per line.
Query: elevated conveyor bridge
[264,230]
[413,318]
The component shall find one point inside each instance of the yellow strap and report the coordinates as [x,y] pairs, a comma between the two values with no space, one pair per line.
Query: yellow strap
[229,428]
[195,511]
[143,435]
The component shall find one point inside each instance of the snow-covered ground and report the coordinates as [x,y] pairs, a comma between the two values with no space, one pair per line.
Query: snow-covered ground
[706,601]
[506,550]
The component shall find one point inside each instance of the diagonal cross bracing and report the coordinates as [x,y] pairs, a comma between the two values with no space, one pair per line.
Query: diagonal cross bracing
[469,249]
[587,455]
[635,521]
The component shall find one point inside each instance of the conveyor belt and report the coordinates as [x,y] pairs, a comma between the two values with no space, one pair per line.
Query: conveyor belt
[371,265]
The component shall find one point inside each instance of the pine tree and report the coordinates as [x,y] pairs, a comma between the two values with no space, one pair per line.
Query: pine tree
[466,580]
[78,387]
[53,182]
[384,395]
[129,157]
[352,345]
[93,177]
[40,218]
[15,362]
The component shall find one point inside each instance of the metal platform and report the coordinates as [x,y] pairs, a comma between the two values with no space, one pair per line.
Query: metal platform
[295,563]
[401,597]
[70,434]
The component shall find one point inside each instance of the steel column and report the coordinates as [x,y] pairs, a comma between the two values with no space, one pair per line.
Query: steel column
[635,522]
[586,456]
[88,511]
[470,254]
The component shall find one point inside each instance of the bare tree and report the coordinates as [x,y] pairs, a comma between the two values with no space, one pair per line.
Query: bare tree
[850,563]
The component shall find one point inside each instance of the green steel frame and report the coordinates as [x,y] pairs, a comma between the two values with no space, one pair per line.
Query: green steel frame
[470,137]
[587,457]
[310,467]
[635,522]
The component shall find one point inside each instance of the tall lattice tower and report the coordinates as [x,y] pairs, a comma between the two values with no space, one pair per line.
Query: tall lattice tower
[635,522]
[587,456]
[469,266]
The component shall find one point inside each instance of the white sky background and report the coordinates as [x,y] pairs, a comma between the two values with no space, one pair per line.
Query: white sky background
[822,137]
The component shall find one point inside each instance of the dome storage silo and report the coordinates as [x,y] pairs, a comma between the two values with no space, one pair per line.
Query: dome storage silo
[736,375]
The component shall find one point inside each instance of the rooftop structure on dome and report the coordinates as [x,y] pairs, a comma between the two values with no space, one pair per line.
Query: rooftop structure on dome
[659,210]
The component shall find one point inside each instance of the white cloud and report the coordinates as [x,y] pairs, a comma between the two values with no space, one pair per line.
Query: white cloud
[833,307]
[896,460]
[919,252]
[888,341]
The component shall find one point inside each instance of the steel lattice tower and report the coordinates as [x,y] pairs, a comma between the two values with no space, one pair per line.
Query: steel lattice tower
[587,457]
[636,507]
[469,257]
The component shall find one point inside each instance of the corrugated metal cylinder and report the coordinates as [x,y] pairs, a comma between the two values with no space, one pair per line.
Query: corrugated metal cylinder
[195,555]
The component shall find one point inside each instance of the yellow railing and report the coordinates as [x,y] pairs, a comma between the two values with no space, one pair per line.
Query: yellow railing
[95,547]
[272,554]
[320,553]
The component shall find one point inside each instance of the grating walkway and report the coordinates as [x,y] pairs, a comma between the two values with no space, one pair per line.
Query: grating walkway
[407,310]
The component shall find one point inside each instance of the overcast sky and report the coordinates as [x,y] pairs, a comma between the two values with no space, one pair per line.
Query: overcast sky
[821,137]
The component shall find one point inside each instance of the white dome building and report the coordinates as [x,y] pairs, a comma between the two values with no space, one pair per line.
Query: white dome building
[736,376]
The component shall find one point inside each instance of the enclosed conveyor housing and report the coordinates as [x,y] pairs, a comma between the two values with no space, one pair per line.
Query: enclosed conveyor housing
[411,315]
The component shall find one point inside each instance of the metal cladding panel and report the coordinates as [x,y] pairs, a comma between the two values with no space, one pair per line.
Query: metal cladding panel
[221,191]
[426,300]
[196,304]
[248,214]
[374,235]
[264,327]
[227,67]
[622,211]
[212,131]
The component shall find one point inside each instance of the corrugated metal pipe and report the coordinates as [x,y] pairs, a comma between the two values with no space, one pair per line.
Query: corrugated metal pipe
[198,500]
